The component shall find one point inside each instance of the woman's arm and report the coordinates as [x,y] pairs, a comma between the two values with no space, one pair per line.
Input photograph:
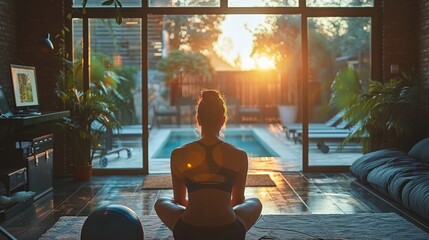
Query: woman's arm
[179,188]
[240,183]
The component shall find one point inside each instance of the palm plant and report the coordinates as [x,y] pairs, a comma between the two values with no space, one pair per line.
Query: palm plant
[391,114]
[91,113]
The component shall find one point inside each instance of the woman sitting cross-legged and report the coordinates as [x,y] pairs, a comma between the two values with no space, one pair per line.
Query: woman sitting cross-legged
[214,173]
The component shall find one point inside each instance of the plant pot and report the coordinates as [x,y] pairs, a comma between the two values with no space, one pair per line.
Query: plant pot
[82,173]
[288,113]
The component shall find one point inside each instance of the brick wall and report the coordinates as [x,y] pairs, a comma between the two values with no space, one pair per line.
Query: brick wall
[399,36]
[7,44]
[41,17]
[23,24]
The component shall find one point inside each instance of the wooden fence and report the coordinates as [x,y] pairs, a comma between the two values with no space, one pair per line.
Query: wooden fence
[252,89]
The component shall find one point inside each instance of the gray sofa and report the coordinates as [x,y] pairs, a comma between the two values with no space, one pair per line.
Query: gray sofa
[401,176]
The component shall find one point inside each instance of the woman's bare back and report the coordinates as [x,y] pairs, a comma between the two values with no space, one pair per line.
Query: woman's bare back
[208,206]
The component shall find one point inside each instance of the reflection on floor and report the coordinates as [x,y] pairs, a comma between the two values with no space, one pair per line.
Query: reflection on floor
[272,134]
[295,193]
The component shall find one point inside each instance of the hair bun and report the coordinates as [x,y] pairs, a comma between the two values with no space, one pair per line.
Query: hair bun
[211,109]
[210,95]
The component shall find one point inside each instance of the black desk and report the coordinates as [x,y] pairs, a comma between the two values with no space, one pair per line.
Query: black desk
[16,125]
[24,121]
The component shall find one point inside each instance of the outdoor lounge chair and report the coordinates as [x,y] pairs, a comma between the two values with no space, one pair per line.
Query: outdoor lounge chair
[184,104]
[292,128]
[322,136]
[110,146]
[170,112]
[243,114]
[186,107]
[107,147]
[341,127]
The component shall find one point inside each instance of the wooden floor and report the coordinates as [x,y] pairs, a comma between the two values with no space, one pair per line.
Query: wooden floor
[296,193]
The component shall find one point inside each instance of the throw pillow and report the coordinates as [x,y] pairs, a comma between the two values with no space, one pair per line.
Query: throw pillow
[420,151]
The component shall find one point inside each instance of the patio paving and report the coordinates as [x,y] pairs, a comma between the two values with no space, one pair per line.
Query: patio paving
[272,134]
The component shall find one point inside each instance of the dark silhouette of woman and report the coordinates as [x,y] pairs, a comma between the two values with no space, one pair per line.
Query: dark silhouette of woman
[214,173]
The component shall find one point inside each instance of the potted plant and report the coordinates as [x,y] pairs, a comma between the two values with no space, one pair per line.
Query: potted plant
[393,114]
[91,113]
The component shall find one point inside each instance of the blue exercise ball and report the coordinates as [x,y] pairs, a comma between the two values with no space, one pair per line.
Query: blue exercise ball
[112,222]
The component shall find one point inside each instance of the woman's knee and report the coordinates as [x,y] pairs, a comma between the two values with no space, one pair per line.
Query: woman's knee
[161,203]
[255,202]
[168,211]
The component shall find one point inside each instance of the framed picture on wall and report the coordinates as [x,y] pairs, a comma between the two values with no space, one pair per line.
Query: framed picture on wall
[24,86]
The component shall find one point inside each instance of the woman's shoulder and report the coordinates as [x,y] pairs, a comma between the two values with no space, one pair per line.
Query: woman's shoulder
[184,147]
[233,148]
[188,144]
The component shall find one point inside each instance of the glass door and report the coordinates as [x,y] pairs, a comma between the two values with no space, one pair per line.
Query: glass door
[275,61]
[115,70]
[339,67]
[253,59]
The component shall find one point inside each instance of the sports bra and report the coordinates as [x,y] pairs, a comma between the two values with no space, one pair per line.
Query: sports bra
[213,168]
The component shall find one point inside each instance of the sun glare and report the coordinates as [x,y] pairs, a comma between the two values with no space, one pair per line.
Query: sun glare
[265,63]
[236,41]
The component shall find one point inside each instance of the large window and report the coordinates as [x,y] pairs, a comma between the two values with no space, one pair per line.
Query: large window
[115,60]
[275,61]
[334,43]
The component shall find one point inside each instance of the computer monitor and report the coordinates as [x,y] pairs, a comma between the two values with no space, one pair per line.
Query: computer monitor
[24,88]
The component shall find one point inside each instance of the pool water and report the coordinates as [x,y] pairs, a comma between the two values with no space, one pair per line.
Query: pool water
[244,139]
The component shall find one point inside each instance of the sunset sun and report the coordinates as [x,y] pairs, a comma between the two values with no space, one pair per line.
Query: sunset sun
[236,42]
[264,62]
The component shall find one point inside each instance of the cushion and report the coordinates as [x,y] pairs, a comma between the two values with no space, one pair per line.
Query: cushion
[367,162]
[415,196]
[17,197]
[420,151]
[380,177]
[401,179]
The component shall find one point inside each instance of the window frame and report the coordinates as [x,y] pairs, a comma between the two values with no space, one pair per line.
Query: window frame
[305,12]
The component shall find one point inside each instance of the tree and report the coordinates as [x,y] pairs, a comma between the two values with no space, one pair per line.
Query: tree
[328,37]
[179,62]
[192,33]
[181,65]
[336,36]
[282,41]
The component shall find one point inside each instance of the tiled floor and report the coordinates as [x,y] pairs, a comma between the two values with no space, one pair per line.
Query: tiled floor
[295,193]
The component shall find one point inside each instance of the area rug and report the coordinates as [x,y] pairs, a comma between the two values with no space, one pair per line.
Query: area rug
[320,226]
[164,181]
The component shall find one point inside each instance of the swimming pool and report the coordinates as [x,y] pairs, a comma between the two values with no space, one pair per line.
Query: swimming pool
[244,139]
